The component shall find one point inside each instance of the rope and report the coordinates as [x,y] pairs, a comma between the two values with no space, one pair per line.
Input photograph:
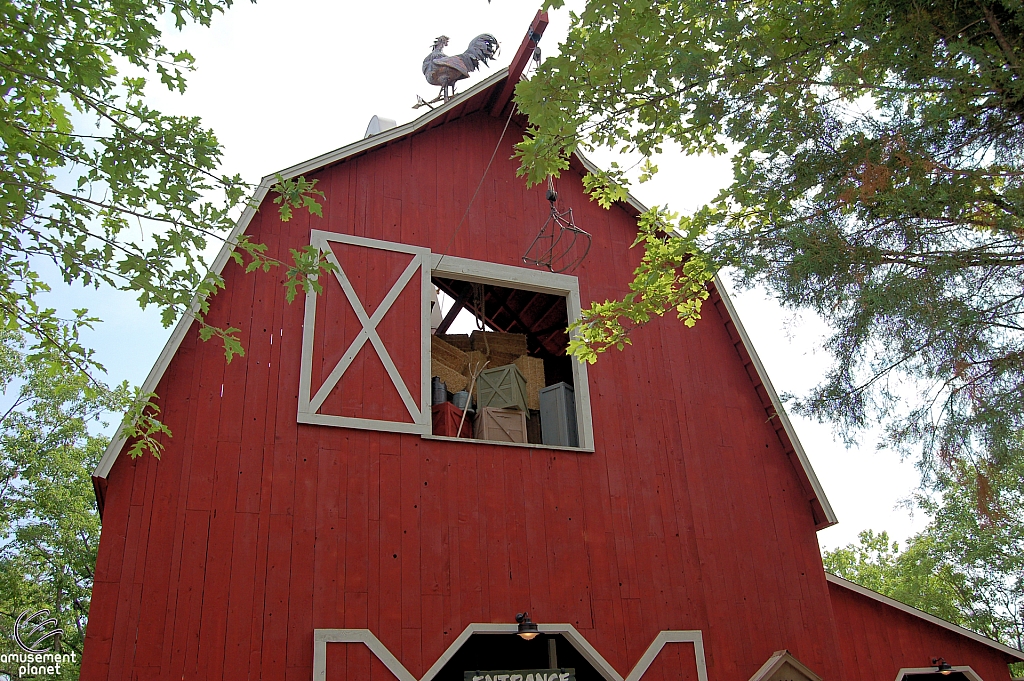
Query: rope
[479,185]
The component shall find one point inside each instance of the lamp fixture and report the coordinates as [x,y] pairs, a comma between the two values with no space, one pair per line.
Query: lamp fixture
[527,630]
[941,666]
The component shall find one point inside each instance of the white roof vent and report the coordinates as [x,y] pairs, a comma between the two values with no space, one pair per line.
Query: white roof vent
[379,124]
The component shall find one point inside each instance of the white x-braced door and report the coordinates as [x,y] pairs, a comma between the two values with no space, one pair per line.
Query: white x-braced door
[363,337]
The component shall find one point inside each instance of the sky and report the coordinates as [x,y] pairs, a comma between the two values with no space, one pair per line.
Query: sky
[283,81]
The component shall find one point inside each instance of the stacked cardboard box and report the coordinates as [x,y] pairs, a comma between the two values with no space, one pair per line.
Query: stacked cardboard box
[496,348]
[503,387]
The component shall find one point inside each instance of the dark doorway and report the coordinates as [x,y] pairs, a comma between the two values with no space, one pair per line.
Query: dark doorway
[489,652]
[935,676]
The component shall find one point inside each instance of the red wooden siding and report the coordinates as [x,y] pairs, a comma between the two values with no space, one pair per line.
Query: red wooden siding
[879,640]
[219,560]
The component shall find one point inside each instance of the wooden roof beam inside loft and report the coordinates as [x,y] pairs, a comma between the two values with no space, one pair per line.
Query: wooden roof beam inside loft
[514,311]
[460,302]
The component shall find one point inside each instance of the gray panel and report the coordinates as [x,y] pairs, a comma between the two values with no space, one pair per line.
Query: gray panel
[558,415]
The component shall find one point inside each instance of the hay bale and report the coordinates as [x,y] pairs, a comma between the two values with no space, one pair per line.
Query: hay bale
[452,379]
[474,361]
[489,342]
[447,354]
[532,369]
[500,359]
[459,340]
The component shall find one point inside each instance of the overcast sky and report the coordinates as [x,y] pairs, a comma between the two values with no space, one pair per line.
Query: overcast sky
[284,81]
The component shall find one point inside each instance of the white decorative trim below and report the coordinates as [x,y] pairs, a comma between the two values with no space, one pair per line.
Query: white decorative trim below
[777,663]
[911,671]
[321,637]
[500,443]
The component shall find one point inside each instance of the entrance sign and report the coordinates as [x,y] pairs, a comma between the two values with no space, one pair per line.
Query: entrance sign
[523,675]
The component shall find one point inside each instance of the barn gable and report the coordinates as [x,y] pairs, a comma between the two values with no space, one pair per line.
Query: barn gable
[479,98]
[677,541]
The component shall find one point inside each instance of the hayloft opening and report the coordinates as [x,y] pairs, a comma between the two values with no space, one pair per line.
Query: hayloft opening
[507,347]
[488,652]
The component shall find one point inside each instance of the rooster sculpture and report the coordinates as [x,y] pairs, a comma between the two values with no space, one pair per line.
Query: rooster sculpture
[444,71]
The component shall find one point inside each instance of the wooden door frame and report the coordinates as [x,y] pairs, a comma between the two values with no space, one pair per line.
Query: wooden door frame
[321,637]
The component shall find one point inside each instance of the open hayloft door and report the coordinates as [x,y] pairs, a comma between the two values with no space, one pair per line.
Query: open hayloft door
[363,337]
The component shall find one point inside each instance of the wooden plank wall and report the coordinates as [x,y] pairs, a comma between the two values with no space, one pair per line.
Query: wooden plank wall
[878,640]
[219,560]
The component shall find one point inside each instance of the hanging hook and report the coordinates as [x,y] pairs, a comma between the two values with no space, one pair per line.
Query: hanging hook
[555,250]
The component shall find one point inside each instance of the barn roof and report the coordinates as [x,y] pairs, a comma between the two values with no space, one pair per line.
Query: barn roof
[491,94]
[920,614]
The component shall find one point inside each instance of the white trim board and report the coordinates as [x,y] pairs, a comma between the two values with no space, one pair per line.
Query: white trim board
[418,407]
[181,328]
[500,443]
[482,272]
[321,637]
[762,374]
[787,425]
[973,635]
[780,659]
[390,135]
[911,671]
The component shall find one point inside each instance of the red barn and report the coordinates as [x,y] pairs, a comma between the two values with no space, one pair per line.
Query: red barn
[309,520]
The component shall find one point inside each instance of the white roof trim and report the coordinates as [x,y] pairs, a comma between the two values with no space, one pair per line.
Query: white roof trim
[185,322]
[777,661]
[182,327]
[801,455]
[389,135]
[973,635]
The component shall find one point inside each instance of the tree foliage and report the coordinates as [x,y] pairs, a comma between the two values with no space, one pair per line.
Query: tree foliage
[915,576]
[108,189]
[49,527]
[877,179]
[964,568]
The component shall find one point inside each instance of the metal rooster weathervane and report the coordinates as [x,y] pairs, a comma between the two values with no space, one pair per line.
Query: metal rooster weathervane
[443,71]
